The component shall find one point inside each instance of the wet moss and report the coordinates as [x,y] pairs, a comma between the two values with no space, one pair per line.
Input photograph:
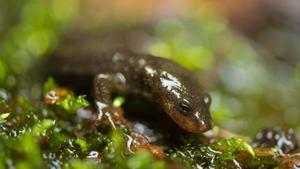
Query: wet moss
[35,134]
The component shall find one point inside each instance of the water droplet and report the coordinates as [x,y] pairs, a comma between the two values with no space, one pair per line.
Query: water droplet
[93,154]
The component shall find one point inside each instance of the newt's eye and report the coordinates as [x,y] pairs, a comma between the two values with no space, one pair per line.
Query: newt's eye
[184,107]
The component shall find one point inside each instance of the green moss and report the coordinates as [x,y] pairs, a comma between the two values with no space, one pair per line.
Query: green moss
[220,153]
[37,136]
[118,101]
[77,164]
[143,159]
[3,116]
[233,146]
[49,85]
[71,103]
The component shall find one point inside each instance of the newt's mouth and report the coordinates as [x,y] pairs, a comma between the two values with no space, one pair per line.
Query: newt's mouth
[198,127]
[197,123]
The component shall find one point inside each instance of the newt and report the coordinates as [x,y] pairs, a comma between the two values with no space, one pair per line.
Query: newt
[165,82]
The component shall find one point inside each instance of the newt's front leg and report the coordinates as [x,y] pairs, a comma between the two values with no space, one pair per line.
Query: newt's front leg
[104,84]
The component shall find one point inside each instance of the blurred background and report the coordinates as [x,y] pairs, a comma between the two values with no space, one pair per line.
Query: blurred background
[245,53]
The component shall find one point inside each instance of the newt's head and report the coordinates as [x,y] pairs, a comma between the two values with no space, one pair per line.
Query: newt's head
[185,103]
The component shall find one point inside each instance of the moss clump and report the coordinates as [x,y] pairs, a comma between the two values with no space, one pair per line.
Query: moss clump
[36,134]
[222,153]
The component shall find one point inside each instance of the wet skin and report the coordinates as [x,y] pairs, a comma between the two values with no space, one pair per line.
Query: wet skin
[163,81]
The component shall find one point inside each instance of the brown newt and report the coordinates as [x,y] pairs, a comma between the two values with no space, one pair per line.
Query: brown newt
[163,81]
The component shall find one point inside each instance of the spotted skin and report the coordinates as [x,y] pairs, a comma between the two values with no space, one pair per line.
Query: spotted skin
[170,85]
